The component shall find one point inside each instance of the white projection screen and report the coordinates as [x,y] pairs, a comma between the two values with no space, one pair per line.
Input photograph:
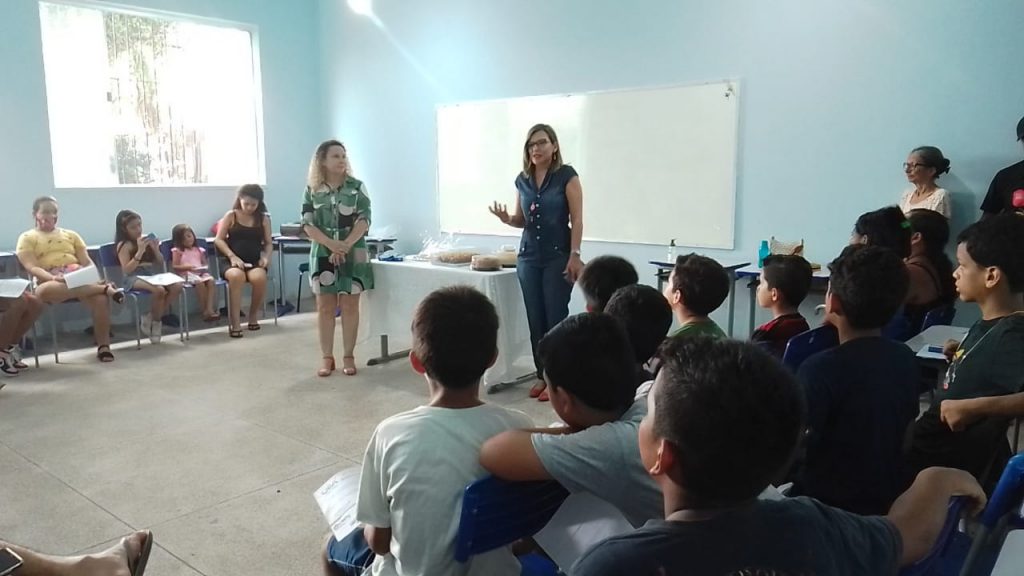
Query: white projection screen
[656,164]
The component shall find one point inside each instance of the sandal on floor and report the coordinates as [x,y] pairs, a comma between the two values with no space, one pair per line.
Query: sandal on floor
[325,371]
[254,326]
[103,354]
[211,317]
[138,566]
[235,332]
[349,370]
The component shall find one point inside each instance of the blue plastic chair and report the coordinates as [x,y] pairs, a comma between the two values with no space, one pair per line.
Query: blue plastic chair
[898,329]
[806,344]
[941,316]
[947,555]
[1001,516]
[111,267]
[213,254]
[165,250]
[496,513]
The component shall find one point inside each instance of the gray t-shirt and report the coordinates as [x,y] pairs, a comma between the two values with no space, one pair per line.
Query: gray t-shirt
[791,537]
[605,461]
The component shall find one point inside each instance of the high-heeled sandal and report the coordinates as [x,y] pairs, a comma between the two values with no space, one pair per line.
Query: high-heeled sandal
[348,370]
[325,371]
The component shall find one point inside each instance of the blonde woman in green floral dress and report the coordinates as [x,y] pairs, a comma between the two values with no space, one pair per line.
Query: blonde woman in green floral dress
[336,217]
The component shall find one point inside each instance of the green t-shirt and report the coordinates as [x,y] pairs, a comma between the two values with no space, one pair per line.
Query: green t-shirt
[708,328]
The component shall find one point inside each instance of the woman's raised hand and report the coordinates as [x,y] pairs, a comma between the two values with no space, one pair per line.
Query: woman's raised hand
[501,211]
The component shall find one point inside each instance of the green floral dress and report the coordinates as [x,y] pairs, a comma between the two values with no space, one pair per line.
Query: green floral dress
[335,212]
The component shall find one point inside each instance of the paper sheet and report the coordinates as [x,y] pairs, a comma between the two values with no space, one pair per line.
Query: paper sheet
[13,287]
[337,499]
[165,279]
[582,521]
[82,277]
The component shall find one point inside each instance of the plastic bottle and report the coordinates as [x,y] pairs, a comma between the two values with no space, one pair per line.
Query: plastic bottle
[671,251]
[762,253]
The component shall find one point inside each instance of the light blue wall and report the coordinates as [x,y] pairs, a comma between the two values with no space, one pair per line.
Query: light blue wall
[289,59]
[834,94]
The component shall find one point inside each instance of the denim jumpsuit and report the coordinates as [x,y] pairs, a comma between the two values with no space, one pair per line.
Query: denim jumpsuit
[544,251]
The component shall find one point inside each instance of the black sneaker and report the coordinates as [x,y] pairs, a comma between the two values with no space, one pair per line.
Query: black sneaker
[170,320]
[7,366]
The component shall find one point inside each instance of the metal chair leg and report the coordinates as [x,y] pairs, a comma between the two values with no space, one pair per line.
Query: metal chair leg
[138,322]
[298,295]
[53,334]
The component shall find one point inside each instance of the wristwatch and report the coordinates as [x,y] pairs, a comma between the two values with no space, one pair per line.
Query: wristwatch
[576,252]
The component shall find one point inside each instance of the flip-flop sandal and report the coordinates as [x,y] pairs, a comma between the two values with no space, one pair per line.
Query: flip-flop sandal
[254,326]
[117,295]
[235,333]
[139,567]
[103,354]
[211,317]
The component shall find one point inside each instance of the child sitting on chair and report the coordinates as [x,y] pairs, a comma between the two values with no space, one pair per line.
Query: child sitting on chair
[696,287]
[190,261]
[418,463]
[784,283]
[723,421]
[140,256]
[588,365]
[601,277]
[861,395]
[965,426]
[647,316]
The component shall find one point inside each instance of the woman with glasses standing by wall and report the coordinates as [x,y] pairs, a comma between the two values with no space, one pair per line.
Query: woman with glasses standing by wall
[923,167]
[549,209]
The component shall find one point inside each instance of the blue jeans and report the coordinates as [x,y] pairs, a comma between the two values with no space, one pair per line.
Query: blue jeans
[546,294]
[351,555]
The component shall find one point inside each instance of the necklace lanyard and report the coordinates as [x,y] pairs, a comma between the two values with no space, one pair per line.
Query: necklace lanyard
[961,355]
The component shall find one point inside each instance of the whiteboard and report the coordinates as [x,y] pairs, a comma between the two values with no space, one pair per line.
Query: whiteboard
[655,164]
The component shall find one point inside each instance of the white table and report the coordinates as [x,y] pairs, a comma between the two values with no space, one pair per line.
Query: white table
[664,269]
[399,287]
[819,278]
[936,336]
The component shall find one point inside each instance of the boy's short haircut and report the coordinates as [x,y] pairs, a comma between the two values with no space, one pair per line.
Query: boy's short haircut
[870,282]
[645,314]
[602,276]
[790,275]
[888,228]
[733,412]
[589,356]
[702,283]
[998,241]
[455,335]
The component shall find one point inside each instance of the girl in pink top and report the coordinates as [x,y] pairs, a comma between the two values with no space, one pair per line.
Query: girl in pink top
[189,260]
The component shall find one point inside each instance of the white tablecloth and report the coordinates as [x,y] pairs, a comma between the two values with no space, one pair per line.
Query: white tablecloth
[399,287]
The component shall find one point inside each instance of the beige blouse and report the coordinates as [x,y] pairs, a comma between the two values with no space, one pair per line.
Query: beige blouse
[937,201]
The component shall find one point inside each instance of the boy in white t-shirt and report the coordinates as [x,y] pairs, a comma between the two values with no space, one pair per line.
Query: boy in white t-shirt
[419,462]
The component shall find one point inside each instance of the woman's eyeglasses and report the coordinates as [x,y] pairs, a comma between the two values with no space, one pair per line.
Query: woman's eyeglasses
[908,166]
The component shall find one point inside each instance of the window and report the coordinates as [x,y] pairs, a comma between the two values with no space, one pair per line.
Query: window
[137,100]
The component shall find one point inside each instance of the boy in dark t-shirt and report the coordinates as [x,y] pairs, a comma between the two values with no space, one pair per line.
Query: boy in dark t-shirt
[784,283]
[965,426]
[861,395]
[723,419]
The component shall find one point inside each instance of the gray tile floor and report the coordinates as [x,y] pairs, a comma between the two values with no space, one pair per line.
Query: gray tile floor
[216,446]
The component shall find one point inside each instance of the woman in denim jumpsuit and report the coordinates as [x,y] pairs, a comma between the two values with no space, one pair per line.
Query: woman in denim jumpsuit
[549,209]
